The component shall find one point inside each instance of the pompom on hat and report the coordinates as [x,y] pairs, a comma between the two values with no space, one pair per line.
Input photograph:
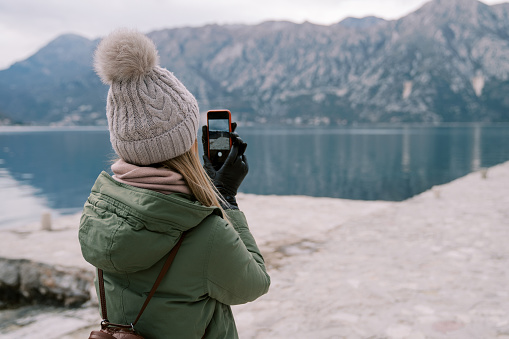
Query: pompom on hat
[152,117]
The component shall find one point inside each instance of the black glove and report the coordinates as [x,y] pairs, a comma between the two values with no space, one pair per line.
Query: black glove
[228,178]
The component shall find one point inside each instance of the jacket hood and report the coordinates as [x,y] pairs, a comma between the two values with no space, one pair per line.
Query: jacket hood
[128,229]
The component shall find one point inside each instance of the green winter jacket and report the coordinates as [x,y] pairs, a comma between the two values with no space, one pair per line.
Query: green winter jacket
[128,232]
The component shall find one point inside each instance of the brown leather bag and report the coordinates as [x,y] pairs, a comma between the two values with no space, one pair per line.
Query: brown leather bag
[117,331]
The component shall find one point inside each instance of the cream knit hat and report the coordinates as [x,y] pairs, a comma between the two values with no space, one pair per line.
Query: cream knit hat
[152,117]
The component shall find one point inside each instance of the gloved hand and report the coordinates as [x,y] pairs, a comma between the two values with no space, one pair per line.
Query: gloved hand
[228,178]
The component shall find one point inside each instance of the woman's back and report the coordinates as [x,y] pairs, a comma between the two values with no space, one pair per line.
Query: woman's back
[129,231]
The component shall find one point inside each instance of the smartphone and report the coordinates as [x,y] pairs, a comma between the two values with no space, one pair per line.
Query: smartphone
[219,126]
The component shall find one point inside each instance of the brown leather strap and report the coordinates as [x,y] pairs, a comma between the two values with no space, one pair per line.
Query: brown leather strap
[102,294]
[165,268]
[160,277]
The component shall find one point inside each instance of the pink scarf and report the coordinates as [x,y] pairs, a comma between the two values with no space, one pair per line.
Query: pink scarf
[161,180]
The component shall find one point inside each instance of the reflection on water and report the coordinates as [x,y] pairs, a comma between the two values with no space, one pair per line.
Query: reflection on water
[16,199]
[476,149]
[368,164]
[49,169]
[46,168]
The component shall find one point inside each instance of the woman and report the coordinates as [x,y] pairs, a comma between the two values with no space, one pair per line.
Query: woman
[158,192]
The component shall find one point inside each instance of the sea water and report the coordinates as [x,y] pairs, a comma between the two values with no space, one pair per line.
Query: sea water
[52,169]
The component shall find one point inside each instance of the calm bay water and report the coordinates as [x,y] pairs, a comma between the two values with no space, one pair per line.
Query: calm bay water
[54,169]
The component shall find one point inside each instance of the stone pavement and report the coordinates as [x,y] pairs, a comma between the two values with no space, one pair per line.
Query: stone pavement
[434,266]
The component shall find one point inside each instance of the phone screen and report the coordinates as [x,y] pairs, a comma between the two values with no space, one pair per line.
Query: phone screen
[219,134]
[219,138]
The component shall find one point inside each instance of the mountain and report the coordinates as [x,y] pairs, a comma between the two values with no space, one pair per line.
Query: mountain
[55,84]
[446,62]
[366,22]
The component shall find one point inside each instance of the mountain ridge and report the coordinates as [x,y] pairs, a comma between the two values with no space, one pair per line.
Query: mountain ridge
[445,62]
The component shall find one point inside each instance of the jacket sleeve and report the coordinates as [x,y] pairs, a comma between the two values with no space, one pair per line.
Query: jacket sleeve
[235,273]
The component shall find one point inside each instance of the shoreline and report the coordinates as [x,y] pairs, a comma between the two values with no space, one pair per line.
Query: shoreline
[38,128]
[429,266]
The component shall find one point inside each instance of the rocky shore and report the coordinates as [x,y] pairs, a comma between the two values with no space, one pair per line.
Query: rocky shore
[433,266]
[27,282]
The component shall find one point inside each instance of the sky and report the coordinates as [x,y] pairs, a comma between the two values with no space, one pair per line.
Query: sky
[28,25]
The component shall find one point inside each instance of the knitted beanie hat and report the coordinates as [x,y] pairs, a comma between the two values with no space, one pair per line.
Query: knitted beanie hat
[152,117]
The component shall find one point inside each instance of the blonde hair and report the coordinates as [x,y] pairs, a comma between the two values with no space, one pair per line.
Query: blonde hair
[200,184]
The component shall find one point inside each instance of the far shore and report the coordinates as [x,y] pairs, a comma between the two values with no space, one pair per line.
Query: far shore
[249,124]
